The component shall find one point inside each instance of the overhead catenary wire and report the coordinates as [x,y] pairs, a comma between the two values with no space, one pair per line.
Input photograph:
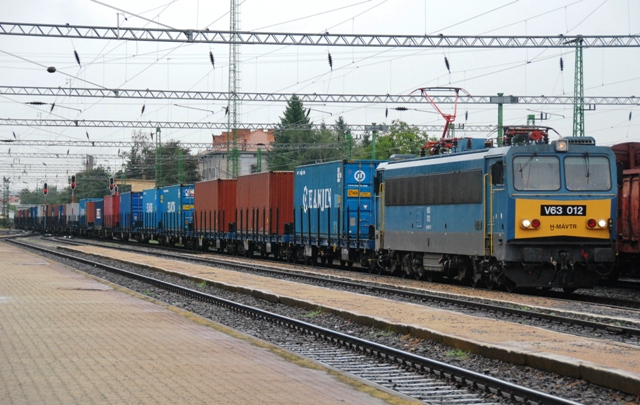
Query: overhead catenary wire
[92,134]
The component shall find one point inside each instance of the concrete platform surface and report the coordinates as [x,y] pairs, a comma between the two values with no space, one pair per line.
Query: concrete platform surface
[66,338]
[607,363]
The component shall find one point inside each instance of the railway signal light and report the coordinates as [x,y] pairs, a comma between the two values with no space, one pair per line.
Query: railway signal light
[45,189]
[73,182]
[111,185]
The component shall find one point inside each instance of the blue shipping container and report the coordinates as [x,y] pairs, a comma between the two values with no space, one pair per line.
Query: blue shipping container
[151,209]
[99,213]
[323,190]
[131,210]
[177,206]
[82,216]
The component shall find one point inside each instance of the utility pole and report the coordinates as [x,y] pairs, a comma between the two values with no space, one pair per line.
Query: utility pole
[500,99]
[259,159]
[500,130]
[578,92]
[180,166]
[158,153]
[234,79]
[373,140]
[5,197]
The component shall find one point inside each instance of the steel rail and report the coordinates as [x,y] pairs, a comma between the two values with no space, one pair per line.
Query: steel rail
[418,295]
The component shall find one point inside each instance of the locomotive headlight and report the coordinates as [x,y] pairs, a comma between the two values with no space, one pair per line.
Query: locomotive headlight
[530,224]
[562,145]
[602,223]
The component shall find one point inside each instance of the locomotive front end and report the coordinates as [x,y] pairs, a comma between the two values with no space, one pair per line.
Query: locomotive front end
[564,199]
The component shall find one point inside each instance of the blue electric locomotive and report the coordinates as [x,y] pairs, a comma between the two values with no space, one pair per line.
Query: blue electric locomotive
[527,214]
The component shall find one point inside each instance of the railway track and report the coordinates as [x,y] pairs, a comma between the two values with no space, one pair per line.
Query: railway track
[612,302]
[582,324]
[425,379]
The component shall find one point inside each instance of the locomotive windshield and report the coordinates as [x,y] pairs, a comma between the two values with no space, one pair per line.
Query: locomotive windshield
[536,173]
[587,173]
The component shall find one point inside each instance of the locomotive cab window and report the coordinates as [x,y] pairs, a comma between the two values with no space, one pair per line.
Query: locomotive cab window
[587,173]
[533,173]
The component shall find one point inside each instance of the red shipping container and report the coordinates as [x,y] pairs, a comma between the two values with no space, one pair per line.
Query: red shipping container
[91,212]
[111,211]
[215,205]
[265,202]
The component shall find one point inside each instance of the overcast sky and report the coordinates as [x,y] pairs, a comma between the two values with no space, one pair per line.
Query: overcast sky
[305,69]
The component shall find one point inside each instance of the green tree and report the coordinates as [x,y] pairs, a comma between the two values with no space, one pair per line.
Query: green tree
[141,149]
[91,184]
[173,156]
[177,165]
[401,138]
[297,143]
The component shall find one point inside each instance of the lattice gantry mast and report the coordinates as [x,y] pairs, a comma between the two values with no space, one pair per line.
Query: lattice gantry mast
[578,93]
[234,86]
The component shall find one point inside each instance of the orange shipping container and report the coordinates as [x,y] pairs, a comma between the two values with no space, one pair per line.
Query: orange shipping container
[215,206]
[265,202]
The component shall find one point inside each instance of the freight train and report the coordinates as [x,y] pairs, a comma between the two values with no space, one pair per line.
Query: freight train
[529,213]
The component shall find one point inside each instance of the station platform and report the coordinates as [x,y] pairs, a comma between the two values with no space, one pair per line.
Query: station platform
[599,361]
[67,338]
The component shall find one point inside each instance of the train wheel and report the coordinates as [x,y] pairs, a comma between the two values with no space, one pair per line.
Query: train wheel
[510,286]
[476,280]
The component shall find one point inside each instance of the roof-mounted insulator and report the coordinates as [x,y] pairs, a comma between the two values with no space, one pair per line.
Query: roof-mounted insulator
[446,63]
[77,57]
[213,61]
[330,61]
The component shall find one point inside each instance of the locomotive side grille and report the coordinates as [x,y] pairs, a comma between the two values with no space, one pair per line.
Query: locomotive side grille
[435,189]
